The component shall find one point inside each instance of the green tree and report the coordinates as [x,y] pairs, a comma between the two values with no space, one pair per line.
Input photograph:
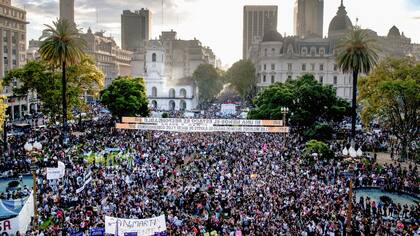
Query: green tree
[38,76]
[242,77]
[356,54]
[3,107]
[308,101]
[209,82]
[61,47]
[318,147]
[126,96]
[391,95]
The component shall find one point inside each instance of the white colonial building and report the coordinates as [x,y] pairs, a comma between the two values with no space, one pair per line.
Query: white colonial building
[163,93]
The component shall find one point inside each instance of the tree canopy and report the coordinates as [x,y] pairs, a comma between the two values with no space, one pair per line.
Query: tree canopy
[242,77]
[3,107]
[38,76]
[126,96]
[209,82]
[356,54]
[391,94]
[308,101]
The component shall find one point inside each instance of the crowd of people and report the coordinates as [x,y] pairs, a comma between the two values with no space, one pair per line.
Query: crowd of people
[209,183]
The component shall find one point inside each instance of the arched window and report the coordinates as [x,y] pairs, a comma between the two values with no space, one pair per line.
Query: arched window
[154,92]
[182,105]
[171,105]
[154,57]
[154,104]
[172,93]
[183,93]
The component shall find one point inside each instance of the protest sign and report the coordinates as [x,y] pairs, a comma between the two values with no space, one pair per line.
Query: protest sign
[192,121]
[203,128]
[143,227]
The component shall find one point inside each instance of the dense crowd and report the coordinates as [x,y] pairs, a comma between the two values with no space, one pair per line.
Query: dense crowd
[219,183]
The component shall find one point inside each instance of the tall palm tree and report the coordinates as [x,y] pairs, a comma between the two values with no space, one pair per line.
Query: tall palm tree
[61,47]
[356,54]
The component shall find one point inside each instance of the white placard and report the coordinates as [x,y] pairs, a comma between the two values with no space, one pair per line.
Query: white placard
[143,227]
[56,173]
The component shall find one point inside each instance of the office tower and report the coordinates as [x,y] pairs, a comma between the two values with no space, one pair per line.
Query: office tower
[136,27]
[67,10]
[308,18]
[257,21]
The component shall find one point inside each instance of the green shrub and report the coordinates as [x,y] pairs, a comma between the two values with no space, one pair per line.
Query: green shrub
[319,147]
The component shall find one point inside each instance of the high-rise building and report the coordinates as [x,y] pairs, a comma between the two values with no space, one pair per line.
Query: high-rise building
[257,21]
[309,18]
[67,10]
[13,55]
[136,27]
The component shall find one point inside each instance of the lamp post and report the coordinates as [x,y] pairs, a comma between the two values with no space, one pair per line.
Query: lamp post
[33,150]
[353,154]
[5,133]
[284,110]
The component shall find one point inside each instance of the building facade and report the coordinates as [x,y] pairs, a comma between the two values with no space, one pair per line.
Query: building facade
[309,18]
[256,21]
[164,93]
[136,27]
[278,58]
[112,60]
[13,55]
[67,10]
[168,77]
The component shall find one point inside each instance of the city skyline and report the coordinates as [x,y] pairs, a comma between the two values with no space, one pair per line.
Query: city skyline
[196,18]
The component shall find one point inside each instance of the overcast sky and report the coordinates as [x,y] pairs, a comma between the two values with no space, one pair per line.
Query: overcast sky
[218,23]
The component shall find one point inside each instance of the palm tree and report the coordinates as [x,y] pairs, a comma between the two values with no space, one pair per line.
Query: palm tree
[356,54]
[61,47]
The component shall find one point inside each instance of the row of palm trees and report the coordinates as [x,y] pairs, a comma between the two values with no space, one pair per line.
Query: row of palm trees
[62,46]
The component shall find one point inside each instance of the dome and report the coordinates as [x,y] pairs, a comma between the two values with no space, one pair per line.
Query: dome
[394,32]
[341,21]
[272,36]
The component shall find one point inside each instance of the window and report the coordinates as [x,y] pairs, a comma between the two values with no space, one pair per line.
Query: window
[313,51]
[312,67]
[272,79]
[154,104]
[289,77]
[289,66]
[321,79]
[303,67]
[265,67]
[335,80]
[182,105]
[154,57]
[154,92]
[273,66]
[264,79]
[304,51]
[172,93]
[322,51]
[265,51]
[335,67]
[273,50]
[183,93]
[321,67]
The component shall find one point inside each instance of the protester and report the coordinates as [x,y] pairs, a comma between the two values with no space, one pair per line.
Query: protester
[210,184]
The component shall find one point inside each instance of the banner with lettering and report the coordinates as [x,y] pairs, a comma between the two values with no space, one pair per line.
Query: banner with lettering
[201,128]
[192,121]
[56,173]
[143,227]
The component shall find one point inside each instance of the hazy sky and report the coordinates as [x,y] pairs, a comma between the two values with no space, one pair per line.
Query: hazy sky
[218,23]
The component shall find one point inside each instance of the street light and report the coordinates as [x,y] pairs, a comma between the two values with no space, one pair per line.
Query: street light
[33,149]
[284,110]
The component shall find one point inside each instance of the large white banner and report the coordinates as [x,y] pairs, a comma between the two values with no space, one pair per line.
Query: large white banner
[21,222]
[203,128]
[56,173]
[200,122]
[143,227]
